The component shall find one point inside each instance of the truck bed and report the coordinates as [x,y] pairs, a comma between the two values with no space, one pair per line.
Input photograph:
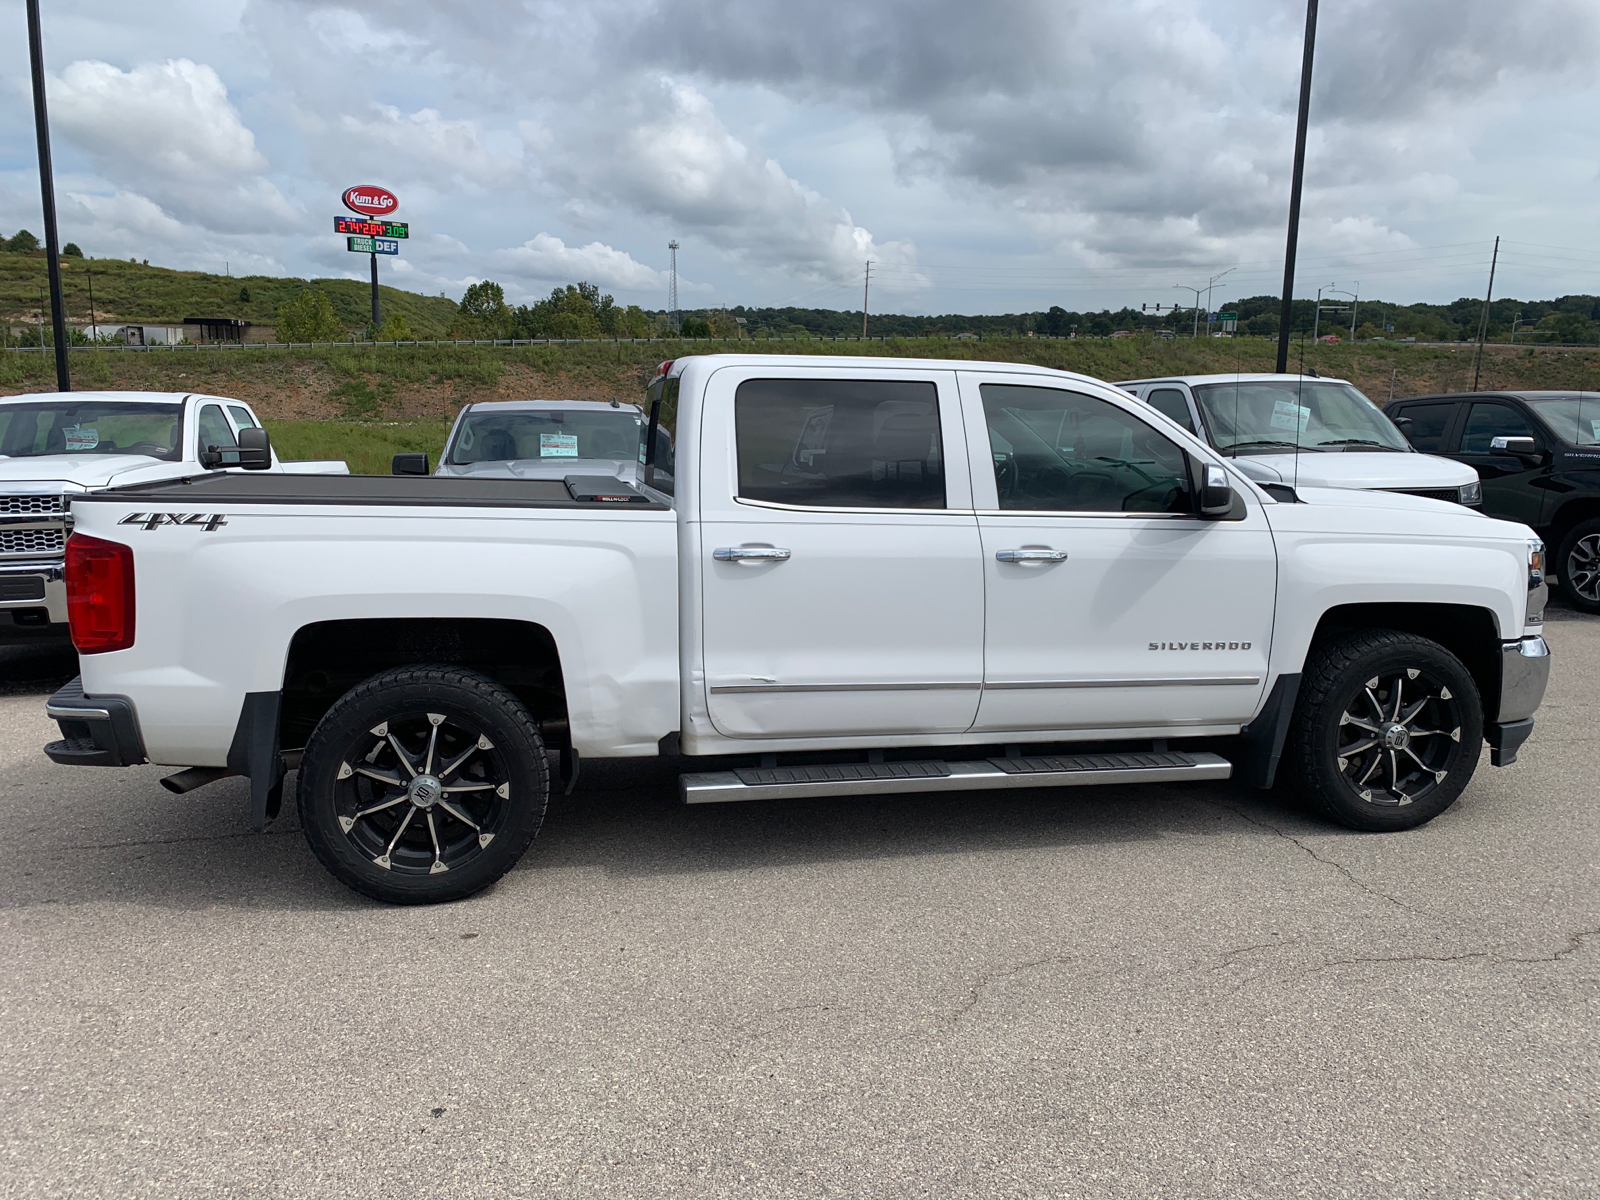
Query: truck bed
[403,490]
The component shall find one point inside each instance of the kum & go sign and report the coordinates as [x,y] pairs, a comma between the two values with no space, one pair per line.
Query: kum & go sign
[371,201]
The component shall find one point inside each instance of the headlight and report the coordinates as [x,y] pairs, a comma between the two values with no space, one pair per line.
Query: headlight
[1471,493]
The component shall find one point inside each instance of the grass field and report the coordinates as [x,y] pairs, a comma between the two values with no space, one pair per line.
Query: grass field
[367,403]
[133,292]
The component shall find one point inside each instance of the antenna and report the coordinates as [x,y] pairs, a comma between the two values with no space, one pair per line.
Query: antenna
[672,290]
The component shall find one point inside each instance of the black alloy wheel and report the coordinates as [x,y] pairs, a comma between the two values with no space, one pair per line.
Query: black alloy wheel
[1578,566]
[1387,730]
[423,784]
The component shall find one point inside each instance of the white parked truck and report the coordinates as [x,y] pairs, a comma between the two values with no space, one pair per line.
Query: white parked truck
[837,576]
[538,439]
[54,446]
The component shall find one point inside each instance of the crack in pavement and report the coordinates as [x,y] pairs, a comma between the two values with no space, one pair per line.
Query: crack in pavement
[993,977]
[1327,862]
[1575,943]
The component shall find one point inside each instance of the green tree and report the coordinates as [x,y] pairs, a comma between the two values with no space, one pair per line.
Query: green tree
[394,329]
[309,318]
[70,250]
[244,295]
[482,312]
[694,327]
[23,243]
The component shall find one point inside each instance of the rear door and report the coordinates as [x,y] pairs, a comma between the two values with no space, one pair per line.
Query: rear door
[1109,604]
[842,583]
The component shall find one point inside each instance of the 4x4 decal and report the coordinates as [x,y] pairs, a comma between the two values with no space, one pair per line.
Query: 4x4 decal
[206,521]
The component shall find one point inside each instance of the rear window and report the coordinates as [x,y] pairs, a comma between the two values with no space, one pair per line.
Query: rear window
[1428,423]
[35,429]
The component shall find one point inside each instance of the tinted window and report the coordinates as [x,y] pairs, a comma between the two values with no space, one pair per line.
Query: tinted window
[215,431]
[91,427]
[1488,421]
[1428,423]
[839,443]
[1064,452]
[659,452]
[1171,402]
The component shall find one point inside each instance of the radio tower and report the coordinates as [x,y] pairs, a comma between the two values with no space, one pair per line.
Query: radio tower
[672,293]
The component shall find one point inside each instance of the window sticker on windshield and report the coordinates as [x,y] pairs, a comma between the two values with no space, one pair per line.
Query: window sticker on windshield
[558,445]
[1594,429]
[79,438]
[1286,414]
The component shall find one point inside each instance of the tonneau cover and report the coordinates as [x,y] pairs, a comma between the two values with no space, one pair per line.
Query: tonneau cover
[263,488]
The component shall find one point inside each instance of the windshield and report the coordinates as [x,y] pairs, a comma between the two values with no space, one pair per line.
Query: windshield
[1575,419]
[35,429]
[502,436]
[1260,417]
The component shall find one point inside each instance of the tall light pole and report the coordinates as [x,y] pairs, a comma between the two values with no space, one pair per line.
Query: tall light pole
[1196,291]
[47,193]
[1286,312]
[672,291]
[866,286]
[1211,283]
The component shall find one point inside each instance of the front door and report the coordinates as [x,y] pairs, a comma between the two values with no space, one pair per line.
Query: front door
[1511,487]
[1110,605]
[840,562]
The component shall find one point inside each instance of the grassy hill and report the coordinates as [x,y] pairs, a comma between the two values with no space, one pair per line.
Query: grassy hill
[131,291]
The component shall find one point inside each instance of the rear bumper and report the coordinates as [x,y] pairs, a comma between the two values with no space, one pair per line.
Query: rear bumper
[96,731]
[1524,675]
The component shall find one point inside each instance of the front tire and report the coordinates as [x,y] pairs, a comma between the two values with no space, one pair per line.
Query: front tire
[1578,566]
[1386,732]
[423,784]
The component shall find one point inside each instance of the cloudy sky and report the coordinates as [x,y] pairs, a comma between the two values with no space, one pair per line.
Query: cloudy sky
[986,157]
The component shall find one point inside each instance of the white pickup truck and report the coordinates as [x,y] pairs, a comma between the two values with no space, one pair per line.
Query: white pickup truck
[56,445]
[837,576]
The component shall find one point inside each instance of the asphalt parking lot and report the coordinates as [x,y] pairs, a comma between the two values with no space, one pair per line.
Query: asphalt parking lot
[1174,992]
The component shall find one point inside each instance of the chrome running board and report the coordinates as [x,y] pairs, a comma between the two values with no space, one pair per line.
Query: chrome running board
[875,779]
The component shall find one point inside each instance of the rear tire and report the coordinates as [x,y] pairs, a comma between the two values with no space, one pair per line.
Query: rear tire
[1578,566]
[1386,732]
[423,784]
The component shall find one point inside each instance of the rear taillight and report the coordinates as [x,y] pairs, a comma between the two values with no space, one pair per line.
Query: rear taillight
[99,594]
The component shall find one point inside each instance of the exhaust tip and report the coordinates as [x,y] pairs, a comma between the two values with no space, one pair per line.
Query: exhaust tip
[193,777]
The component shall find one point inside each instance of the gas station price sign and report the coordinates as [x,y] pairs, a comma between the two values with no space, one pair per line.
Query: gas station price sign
[366,227]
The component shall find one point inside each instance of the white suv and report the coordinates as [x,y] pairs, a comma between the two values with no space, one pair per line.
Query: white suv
[1305,431]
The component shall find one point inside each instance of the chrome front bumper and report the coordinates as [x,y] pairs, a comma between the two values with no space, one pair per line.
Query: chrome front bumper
[1524,675]
[34,585]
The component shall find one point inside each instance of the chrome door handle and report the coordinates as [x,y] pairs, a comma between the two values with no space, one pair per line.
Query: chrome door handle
[1029,556]
[750,553]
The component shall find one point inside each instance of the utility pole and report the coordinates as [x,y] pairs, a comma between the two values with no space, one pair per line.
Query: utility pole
[1355,307]
[866,286]
[1483,323]
[47,192]
[1286,312]
[672,289]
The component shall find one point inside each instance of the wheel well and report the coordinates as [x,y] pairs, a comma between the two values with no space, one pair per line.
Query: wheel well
[1469,633]
[1568,515]
[329,658]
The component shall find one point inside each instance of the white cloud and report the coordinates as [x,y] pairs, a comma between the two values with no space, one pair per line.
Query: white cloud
[547,259]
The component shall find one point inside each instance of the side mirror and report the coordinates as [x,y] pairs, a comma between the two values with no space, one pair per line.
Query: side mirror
[409,464]
[1401,423]
[255,449]
[1516,447]
[1216,493]
[254,452]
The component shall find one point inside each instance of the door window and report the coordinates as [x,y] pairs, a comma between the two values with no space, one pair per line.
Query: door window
[839,443]
[1171,402]
[242,417]
[215,431]
[1061,451]
[1488,421]
[659,452]
[1428,423]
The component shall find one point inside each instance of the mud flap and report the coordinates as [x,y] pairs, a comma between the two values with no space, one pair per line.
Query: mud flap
[254,753]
